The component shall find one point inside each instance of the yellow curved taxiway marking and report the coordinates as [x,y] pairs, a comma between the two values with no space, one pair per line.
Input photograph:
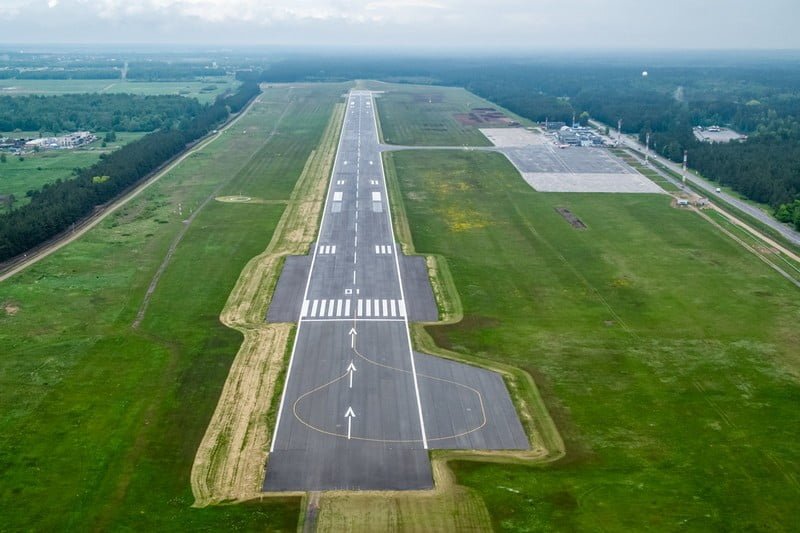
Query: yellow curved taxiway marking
[376,363]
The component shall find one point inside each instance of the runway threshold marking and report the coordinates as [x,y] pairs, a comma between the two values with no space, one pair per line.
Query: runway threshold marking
[377,208]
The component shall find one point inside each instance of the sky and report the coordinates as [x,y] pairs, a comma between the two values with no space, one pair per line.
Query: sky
[409,24]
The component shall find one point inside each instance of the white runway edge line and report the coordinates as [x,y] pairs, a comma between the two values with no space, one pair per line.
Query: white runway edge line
[402,292]
[310,271]
[399,278]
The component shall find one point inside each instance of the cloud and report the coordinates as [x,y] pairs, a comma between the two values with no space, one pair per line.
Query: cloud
[10,9]
[526,24]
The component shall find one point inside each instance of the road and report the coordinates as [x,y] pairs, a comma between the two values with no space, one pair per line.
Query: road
[710,189]
[356,412]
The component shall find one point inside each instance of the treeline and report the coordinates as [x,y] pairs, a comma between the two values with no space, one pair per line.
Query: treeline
[146,71]
[56,206]
[97,112]
[165,71]
[789,213]
[756,95]
[61,74]
[238,100]
[763,169]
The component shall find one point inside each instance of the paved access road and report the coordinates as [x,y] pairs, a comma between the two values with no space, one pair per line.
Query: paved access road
[357,412]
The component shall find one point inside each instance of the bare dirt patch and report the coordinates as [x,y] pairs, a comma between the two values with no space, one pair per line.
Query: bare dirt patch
[234,199]
[570,217]
[10,308]
[484,116]
[448,507]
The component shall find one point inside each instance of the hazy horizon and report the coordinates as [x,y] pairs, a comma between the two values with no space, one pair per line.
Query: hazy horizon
[412,25]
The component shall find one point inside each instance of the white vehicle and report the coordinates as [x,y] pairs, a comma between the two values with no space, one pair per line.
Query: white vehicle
[719,190]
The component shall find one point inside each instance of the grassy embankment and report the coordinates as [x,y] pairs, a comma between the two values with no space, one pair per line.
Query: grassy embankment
[34,170]
[101,422]
[204,90]
[665,352]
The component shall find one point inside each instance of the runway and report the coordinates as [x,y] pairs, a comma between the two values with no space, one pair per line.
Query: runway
[356,412]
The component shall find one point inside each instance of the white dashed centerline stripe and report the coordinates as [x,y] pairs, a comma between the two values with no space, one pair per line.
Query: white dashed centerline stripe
[318,307]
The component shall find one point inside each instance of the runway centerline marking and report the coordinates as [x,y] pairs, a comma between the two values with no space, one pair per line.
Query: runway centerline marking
[355,120]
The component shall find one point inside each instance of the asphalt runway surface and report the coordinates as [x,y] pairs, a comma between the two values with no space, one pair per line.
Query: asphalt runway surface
[356,411]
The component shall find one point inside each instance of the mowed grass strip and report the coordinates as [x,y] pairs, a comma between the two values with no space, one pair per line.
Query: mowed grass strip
[100,422]
[666,353]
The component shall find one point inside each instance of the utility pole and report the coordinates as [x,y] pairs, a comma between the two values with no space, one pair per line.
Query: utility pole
[685,160]
[647,149]
[619,131]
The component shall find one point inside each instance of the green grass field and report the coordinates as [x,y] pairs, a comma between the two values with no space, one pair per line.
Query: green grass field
[17,177]
[202,89]
[426,116]
[666,353]
[101,422]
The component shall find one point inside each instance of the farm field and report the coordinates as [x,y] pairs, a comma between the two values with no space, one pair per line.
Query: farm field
[103,420]
[202,90]
[665,352]
[428,116]
[17,177]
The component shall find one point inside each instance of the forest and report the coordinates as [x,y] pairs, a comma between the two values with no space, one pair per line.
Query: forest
[96,112]
[752,94]
[57,206]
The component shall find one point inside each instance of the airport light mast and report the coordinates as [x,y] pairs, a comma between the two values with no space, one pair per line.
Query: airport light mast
[685,160]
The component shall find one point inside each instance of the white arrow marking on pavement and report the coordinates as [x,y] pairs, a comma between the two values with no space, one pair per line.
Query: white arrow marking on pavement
[350,415]
[353,334]
[350,369]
